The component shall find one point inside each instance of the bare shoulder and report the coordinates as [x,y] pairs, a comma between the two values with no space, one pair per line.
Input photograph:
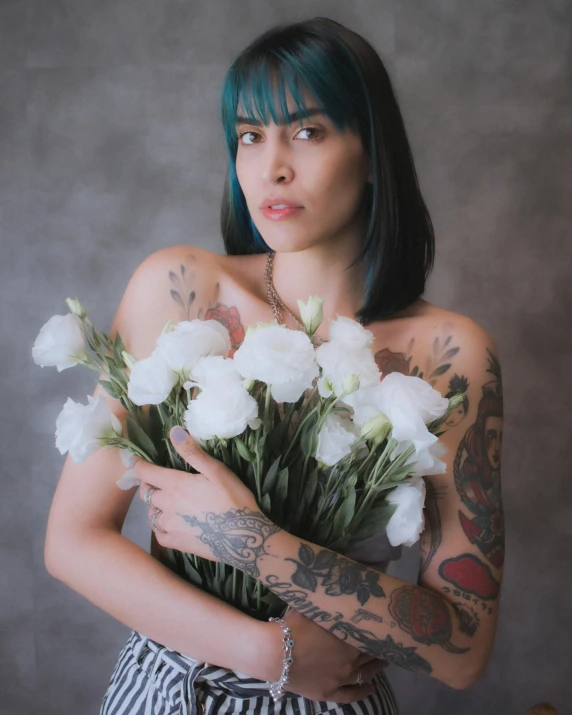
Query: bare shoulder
[433,343]
[174,283]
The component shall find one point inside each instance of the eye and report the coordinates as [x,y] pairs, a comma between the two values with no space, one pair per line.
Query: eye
[242,134]
[312,129]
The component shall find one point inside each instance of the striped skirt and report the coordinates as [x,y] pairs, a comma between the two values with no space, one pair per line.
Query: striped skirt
[150,679]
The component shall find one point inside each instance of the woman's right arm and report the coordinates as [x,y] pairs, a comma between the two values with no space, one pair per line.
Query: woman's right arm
[84,545]
[86,550]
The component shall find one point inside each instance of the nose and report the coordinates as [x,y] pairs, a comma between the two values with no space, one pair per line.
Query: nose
[277,166]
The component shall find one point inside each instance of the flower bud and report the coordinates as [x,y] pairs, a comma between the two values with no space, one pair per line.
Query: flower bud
[76,307]
[350,383]
[376,429]
[168,327]
[128,359]
[456,400]
[311,313]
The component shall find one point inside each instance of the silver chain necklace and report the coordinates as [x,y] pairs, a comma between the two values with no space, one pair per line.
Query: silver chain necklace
[276,302]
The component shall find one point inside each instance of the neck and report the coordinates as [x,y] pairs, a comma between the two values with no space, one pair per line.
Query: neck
[320,271]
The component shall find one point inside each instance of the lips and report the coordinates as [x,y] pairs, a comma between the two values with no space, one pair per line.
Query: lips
[279,201]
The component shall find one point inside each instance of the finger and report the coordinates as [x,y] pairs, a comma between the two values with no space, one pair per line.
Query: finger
[191,451]
[157,499]
[151,474]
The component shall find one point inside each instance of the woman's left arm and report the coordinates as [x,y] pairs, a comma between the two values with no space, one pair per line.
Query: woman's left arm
[444,626]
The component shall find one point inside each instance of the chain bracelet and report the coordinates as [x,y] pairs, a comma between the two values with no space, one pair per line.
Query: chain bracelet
[277,688]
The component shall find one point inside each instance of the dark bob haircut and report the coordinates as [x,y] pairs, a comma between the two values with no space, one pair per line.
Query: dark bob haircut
[346,76]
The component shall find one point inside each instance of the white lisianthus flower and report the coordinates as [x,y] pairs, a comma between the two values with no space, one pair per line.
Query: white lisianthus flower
[60,343]
[83,429]
[376,429]
[311,313]
[339,362]
[349,332]
[280,357]
[214,371]
[128,479]
[221,412]
[151,381]
[190,340]
[408,520]
[335,439]
[409,403]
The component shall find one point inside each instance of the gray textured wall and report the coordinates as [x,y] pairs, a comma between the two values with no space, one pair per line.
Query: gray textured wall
[110,148]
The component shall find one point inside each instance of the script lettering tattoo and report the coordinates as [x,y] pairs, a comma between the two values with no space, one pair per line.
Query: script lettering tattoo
[237,537]
[477,471]
[437,363]
[424,616]
[339,575]
[387,648]
[181,293]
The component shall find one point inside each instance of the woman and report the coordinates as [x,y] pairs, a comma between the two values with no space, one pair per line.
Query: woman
[321,198]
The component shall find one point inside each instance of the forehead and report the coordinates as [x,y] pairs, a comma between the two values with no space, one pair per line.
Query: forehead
[258,105]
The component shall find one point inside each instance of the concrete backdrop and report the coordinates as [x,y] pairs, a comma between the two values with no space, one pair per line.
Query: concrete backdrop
[110,148]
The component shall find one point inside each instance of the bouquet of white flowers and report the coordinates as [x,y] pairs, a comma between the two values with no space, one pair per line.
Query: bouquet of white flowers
[331,451]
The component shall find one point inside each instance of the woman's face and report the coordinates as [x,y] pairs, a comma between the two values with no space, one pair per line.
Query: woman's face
[320,170]
[493,440]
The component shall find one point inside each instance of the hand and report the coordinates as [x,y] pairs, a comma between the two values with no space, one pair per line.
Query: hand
[324,667]
[199,511]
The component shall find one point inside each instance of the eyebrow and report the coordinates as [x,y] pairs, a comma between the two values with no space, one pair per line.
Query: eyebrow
[292,117]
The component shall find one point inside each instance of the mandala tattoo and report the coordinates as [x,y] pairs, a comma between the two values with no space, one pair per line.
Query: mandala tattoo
[237,537]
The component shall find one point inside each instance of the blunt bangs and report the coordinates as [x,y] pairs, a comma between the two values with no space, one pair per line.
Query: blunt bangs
[348,82]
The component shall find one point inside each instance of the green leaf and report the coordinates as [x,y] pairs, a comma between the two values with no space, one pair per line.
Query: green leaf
[271,476]
[346,511]
[139,437]
[266,505]
[243,450]
[110,388]
[373,521]
[118,348]
[282,485]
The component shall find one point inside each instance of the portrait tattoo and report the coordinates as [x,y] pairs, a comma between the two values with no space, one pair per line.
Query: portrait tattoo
[477,471]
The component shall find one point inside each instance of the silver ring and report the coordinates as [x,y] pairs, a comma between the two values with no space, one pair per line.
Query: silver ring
[359,678]
[153,521]
[148,494]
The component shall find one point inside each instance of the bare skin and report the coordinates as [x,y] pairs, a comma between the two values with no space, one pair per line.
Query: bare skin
[461,556]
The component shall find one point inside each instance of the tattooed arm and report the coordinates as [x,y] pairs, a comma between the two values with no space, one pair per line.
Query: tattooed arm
[443,626]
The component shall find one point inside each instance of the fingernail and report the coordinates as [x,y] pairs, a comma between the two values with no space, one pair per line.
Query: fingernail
[178,434]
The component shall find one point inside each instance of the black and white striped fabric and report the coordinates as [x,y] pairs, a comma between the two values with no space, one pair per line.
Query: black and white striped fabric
[150,679]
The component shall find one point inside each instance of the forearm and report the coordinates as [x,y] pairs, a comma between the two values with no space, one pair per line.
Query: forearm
[128,583]
[410,626]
